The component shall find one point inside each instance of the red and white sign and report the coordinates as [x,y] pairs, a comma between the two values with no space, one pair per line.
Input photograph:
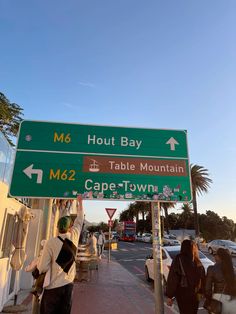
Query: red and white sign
[110,223]
[110,212]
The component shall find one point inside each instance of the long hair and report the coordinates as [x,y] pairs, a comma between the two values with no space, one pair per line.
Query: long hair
[227,268]
[196,258]
[187,249]
[190,263]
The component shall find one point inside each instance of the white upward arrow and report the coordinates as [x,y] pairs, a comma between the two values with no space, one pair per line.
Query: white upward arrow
[172,143]
[29,171]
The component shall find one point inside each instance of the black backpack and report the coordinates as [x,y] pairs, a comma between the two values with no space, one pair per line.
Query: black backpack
[67,255]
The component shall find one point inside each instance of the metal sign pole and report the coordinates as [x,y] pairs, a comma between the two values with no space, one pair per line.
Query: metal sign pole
[157,258]
[109,245]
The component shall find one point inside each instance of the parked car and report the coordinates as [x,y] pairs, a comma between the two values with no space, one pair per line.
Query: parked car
[168,254]
[115,235]
[170,239]
[214,245]
[139,237]
[147,237]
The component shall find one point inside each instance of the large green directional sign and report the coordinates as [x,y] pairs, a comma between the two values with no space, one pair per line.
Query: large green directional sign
[102,162]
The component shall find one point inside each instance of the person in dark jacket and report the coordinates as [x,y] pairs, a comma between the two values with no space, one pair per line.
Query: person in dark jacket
[186,279]
[220,281]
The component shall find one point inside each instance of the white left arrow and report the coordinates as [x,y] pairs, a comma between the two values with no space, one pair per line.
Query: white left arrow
[29,171]
[172,143]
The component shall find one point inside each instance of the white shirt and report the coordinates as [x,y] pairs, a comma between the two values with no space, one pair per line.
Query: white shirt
[50,253]
[101,239]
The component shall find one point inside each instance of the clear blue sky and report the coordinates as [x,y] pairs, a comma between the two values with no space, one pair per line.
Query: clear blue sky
[159,64]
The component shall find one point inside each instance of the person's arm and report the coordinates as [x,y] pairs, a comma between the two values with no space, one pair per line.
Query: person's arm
[172,281]
[32,265]
[209,282]
[203,280]
[78,223]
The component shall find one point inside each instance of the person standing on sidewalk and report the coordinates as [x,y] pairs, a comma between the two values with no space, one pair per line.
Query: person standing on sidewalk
[59,256]
[101,242]
[92,244]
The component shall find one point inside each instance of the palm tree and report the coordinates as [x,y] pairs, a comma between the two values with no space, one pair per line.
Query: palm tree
[126,215]
[143,208]
[200,184]
[133,211]
[186,215]
[137,208]
[165,206]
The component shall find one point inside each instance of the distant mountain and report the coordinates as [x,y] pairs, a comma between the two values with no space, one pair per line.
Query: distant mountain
[88,224]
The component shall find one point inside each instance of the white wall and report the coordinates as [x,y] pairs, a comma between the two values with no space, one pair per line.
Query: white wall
[32,247]
[4,283]
[11,206]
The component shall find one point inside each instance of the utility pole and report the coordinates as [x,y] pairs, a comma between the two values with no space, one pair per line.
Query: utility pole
[157,258]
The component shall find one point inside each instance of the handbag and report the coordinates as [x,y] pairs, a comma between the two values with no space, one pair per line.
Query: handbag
[39,281]
[183,279]
[213,306]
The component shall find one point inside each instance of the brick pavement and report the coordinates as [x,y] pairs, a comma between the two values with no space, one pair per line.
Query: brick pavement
[110,289]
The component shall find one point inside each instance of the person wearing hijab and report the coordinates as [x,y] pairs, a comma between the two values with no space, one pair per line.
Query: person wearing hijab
[186,279]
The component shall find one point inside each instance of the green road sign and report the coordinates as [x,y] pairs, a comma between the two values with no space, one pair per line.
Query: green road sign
[102,162]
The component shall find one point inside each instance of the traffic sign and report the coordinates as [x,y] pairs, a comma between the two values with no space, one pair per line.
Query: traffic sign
[59,160]
[110,212]
[110,223]
[125,141]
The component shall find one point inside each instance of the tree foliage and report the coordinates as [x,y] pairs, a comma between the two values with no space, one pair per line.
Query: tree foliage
[134,210]
[186,218]
[200,184]
[165,206]
[126,215]
[10,117]
[96,228]
[212,226]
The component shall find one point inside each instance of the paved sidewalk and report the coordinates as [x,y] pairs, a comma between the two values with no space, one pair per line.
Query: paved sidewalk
[110,289]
